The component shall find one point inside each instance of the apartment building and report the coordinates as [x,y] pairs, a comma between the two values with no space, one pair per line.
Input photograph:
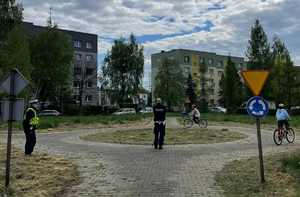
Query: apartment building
[189,61]
[84,67]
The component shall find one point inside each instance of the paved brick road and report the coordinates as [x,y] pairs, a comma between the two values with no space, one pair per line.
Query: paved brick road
[136,170]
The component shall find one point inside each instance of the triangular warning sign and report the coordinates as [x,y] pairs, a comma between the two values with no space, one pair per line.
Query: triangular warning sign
[255,79]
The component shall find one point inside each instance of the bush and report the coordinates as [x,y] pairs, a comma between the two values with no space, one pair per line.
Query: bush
[71,109]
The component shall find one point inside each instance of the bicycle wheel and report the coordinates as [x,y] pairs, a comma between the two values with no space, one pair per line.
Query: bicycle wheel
[290,135]
[202,123]
[187,123]
[276,137]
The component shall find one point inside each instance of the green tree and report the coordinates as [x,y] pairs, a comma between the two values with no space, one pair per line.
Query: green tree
[232,87]
[221,92]
[258,51]
[51,55]
[16,54]
[169,83]
[190,89]
[10,16]
[123,69]
[285,77]
[203,88]
[259,54]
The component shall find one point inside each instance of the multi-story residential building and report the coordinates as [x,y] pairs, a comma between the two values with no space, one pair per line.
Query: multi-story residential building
[189,61]
[84,68]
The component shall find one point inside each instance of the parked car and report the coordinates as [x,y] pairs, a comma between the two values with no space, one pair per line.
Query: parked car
[124,111]
[49,112]
[147,110]
[218,109]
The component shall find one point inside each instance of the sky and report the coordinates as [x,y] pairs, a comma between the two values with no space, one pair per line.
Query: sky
[220,26]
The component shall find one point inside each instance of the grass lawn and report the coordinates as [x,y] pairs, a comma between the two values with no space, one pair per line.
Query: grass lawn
[37,175]
[173,136]
[282,173]
[54,122]
[245,119]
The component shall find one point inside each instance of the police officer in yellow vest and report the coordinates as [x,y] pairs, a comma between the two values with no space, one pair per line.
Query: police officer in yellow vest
[30,124]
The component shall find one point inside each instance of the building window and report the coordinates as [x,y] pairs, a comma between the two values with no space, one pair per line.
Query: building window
[202,60]
[76,97]
[210,62]
[220,64]
[88,98]
[89,84]
[89,58]
[220,73]
[89,45]
[76,84]
[89,71]
[77,44]
[186,59]
[77,71]
[78,56]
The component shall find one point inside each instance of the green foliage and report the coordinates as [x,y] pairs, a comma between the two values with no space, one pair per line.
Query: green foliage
[203,104]
[10,16]
[190,90]
[232,87]
[169,85]
[284,76]
[258,51]
[123,69]
[51,55]
[258,54]
[221,100]
[16,53]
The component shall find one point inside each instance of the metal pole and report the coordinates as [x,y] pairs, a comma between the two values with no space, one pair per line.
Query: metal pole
[10,120]
[261,162]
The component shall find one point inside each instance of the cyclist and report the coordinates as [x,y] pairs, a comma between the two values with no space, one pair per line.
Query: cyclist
[195,113]
[282,116]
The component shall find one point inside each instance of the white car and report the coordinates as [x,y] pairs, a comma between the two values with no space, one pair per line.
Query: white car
[218,109]
[49,112]
[147,110]
[124,111]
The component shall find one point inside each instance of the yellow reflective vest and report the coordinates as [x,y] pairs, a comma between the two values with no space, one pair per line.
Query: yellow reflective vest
[35,120]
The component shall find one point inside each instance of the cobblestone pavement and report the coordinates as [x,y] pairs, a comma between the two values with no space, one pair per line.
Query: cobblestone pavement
[137,170]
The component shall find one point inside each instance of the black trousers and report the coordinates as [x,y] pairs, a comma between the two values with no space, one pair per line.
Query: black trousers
[159,135]
[282,123]
[30,140]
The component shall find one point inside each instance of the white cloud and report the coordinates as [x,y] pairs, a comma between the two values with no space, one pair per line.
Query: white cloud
[230,34]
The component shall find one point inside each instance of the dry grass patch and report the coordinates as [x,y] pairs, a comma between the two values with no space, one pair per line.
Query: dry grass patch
[173,136]
[37,175]
[282,173]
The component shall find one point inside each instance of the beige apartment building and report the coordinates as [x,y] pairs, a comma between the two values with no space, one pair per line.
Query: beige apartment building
[189,61]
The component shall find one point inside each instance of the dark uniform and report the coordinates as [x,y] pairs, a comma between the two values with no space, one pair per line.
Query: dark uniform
[159,111]
[29,126]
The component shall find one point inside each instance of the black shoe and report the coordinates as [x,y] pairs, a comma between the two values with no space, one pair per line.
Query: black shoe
[160,147]
[155,147]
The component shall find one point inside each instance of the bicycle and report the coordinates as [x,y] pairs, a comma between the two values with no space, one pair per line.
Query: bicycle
[188,121]
[281,133]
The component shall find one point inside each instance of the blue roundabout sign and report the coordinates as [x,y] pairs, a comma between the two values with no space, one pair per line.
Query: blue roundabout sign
[257,107]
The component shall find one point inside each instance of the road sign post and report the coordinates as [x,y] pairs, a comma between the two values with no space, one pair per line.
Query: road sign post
[257,107]
[260,153]
[12,85]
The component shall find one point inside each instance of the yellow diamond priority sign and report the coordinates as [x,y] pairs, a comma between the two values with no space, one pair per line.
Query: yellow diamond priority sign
[255,79]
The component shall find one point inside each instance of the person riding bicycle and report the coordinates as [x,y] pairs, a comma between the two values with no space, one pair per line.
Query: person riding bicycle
[282,116]
[195,113]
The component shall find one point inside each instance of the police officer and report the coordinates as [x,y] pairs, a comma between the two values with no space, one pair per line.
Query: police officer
[30,123]
[159,111]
